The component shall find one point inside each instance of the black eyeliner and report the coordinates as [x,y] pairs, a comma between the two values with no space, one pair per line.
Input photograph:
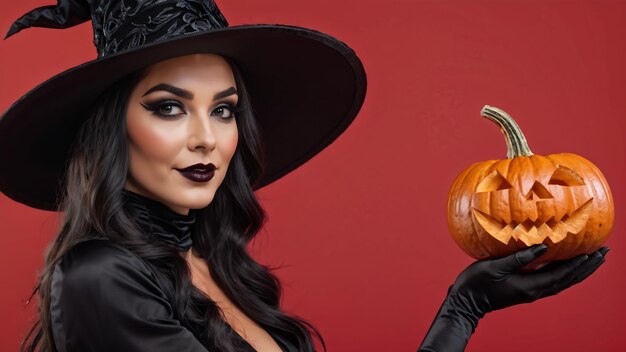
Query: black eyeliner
[234,109]
[155,106]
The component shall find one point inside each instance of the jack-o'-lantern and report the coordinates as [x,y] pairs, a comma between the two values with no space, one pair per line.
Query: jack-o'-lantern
[497,207]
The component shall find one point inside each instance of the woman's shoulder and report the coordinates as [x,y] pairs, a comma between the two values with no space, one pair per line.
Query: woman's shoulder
[104,297]
[97,251]
[99,257]
[96,263]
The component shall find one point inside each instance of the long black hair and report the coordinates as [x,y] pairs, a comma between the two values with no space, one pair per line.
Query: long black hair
[92,206]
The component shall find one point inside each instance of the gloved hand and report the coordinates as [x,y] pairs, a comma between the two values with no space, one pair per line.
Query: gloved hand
[488,285]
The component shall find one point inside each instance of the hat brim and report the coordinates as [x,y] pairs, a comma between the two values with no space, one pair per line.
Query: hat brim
[306,87]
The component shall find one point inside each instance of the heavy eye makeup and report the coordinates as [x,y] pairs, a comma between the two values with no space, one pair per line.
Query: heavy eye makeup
[170,109]
[164,108]
[225,111]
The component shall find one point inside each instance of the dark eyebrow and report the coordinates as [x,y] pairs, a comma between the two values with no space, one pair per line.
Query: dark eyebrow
[169,88]
[187,94]
[225,93]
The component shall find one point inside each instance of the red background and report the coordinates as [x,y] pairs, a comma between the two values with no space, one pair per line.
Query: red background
[360,231]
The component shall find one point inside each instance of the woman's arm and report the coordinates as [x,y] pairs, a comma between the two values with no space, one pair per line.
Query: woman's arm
[489,285]
[104,298]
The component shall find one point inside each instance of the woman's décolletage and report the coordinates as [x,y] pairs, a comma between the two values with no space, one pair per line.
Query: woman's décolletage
[239,321]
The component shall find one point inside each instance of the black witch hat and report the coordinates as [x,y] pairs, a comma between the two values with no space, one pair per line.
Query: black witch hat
[306,87]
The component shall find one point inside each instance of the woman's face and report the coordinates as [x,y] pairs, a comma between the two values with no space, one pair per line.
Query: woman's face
[180,114]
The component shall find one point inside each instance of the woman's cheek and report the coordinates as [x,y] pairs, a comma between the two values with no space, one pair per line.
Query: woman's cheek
[165,142]
[155,145]
[231,143]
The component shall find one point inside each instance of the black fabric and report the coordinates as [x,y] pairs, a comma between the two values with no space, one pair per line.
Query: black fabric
[105,298]
[159,221]
[66,13]
[493,284]
[152,20]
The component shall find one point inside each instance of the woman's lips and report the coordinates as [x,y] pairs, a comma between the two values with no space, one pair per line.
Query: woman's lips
[198,172]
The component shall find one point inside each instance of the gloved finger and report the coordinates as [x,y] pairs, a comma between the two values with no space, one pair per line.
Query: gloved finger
[587,270]
[552,265]
[604,250]
[555,265]
[564,279]
[546,279]
[513,262]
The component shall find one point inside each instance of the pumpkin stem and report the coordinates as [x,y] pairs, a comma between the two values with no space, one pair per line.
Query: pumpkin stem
[516,144]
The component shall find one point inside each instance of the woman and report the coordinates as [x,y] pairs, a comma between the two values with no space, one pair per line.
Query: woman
[165,131]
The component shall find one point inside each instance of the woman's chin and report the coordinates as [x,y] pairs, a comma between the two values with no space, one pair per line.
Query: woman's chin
[200,202]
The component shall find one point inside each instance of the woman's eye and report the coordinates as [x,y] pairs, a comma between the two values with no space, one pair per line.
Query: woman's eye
[224,111]
[165,108]
[170,109]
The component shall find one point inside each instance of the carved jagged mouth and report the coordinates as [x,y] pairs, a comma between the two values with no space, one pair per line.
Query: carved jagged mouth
[533,232]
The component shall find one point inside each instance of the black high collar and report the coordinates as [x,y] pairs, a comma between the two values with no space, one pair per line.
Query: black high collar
[159,221]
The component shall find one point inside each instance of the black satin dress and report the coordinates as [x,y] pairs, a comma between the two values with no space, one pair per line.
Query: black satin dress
[106,298]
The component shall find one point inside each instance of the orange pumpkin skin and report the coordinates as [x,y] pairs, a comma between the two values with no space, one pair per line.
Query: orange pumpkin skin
[497,207]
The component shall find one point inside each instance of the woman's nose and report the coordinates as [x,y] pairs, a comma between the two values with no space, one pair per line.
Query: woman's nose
[201,133]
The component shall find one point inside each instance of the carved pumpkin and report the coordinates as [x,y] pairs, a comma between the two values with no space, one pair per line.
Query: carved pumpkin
[497,207]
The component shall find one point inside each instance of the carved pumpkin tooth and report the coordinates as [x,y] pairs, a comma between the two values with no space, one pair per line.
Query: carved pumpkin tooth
[559,231]
[534,234]
[530,237]
[544,231]
[519,232]
[504,235]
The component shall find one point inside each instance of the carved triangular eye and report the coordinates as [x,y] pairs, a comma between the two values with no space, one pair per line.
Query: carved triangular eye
[493,182]
[564,176]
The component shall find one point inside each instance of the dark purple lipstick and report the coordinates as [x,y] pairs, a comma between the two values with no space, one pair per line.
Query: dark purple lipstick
[199,172]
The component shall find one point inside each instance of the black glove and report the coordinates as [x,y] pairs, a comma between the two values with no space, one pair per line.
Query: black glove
[488,285]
